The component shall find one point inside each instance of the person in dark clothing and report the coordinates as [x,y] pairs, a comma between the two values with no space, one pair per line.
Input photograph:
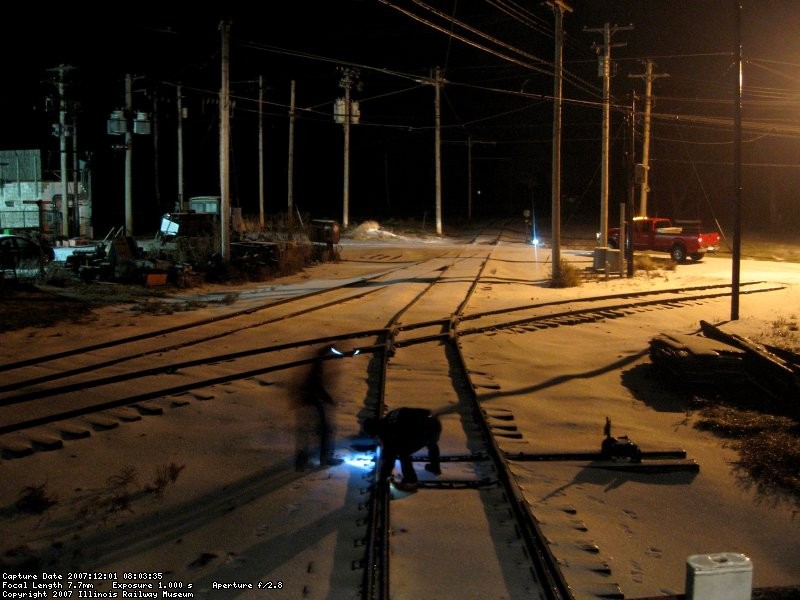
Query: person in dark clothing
[402,432]
[314,419]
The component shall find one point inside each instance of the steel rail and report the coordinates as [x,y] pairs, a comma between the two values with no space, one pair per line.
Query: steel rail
[601,312]
[200,322]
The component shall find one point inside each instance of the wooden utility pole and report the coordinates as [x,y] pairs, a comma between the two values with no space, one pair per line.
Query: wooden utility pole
[470,143]
[125,123]
[558,77]
[128,155]
[629,210]
[605,72]
[62,136]
[179,205]
[346,82]
[290,167]
[437,84]
[224,143]
[261,150]
[76,178]
[153,128]
[648,77]
[469,178]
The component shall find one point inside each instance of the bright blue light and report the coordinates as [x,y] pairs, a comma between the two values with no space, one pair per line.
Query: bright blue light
[362,460]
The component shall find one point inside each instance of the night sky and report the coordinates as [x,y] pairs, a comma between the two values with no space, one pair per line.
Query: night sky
[496,101]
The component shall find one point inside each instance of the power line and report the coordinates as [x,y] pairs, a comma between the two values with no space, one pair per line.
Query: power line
[536,66]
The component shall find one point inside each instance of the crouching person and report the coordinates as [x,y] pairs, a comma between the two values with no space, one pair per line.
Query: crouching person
[402,432]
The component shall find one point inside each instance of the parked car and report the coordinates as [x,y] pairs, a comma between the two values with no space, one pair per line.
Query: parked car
[662,235]
[20,255]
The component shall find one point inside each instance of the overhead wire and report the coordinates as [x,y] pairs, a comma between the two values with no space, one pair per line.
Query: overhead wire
[774,127]
[450,40]
[538,65]
[705,194]
[414,77]
[446,64]
[467,41]
[523,16]
[479,33]
[336,61]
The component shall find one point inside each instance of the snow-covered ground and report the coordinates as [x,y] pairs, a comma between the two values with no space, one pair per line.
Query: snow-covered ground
[238,512]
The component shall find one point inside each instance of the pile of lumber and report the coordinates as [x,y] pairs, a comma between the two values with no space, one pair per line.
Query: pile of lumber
[698,360]
[717,358]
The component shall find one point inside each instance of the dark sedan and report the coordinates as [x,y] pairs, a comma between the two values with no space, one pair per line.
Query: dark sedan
[23,256]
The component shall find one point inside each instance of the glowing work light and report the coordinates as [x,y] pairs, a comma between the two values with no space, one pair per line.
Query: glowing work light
[337,352]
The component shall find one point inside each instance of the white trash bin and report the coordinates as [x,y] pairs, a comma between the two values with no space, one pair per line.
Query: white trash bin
[721,576]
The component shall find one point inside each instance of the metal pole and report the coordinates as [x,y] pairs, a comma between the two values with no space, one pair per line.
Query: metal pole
[737,170]
[19,178]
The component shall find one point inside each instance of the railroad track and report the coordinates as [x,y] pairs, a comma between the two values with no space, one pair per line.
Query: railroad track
[479,472]
[20,411]
[483,485]
[427,303]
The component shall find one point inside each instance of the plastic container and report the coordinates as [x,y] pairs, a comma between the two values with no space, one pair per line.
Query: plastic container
[721,576]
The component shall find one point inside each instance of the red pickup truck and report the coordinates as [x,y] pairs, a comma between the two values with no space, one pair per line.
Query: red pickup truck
[661,235]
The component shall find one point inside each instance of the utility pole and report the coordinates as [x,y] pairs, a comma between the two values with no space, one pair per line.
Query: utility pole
[156,157]
[224,143]
[605,72]
[179,105]
[76,176]
[128,156]
[631,167]
[737,169]
[346,82]
[437,82]
[124,123]
[62,135]
[346,174]
[62,70]
[261,150]
[290,167]
[470,143]
[559,8]
[648,77]
[469,179]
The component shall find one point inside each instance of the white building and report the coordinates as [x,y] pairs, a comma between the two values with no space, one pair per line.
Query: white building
[28,202]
